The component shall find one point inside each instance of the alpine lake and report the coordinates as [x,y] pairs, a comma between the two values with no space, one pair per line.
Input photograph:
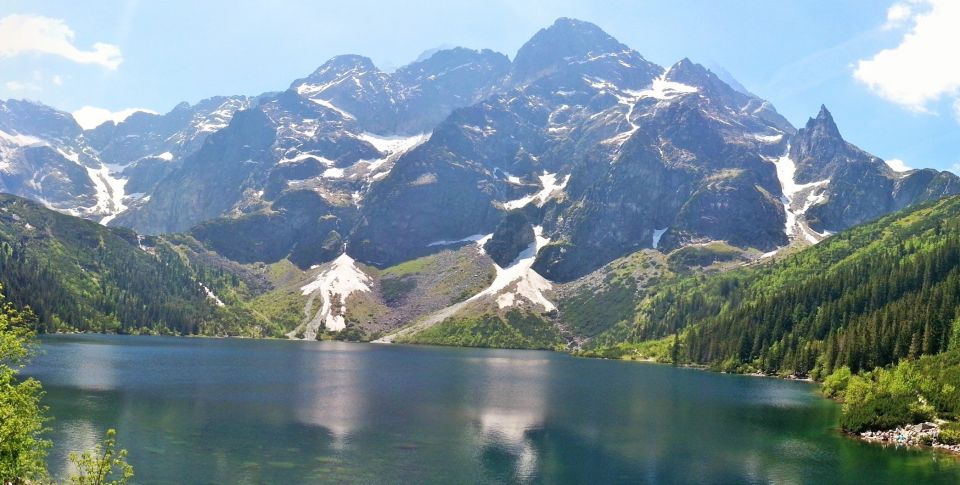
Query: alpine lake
[195,410]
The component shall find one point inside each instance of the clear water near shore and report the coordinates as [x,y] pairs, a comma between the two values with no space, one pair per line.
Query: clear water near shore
[248,411]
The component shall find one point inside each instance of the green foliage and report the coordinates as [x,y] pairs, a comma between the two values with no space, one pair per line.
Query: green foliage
[351,333]
[651,350]
[878,412]
[949,434]
[283,309]
[22,446]
[515,330]
[910,392]
[103,465]
[836,384]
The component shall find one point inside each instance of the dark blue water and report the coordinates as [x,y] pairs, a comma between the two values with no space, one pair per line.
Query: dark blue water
[243,411]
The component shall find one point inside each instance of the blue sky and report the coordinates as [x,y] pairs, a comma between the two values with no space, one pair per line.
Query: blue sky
[886,70]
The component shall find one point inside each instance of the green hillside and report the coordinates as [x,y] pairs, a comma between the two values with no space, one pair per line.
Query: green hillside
[79,275]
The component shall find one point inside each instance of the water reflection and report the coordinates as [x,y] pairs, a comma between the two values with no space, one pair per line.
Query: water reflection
[330,391]
[93,367]
[509,409]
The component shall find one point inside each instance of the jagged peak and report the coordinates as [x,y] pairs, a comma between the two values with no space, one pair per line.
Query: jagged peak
[823,123]
[685,68]
[339,65]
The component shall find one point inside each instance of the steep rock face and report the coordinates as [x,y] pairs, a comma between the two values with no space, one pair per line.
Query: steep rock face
[300,226]
[179,132]
[449,79]
[213,179]
[512,235]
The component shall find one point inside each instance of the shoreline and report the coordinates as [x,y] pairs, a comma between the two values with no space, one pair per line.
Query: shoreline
[921,436]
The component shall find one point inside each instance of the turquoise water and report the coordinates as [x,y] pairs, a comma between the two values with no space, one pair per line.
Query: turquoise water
[248,411]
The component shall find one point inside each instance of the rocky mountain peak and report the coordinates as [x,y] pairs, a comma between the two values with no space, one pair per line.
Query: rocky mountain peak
[823,125]
[688,72]
[37,119]
[338,66]
[566,39]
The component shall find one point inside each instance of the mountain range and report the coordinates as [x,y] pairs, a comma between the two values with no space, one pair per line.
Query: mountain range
[464,185]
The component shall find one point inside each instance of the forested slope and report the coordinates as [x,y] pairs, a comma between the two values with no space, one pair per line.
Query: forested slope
[864,298]
[79,275]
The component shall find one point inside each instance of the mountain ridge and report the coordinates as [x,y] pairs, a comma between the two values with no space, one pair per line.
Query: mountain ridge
[603,151]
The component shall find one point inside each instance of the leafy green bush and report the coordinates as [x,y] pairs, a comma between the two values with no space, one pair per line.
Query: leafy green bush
[836,384]
[879,412]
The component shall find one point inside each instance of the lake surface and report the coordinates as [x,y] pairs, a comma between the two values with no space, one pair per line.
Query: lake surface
[246,411]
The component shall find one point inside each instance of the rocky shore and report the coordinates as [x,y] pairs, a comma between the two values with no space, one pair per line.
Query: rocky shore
[923,434]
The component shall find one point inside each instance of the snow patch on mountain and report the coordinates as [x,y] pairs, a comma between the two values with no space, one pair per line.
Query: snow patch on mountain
[333,173]
[520,280]
[766,138]
[393,144]
[210,294]
[392,147]
[109,193]
[657,234]
[11,144]
[797,199]
[664,90]
[446,242]
[298,156]
[334,285]
[331,106]
[550,187]
[216,120]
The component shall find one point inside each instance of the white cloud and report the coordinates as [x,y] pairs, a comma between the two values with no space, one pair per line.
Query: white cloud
[18,86]
[898,165]
[922,69]
[955,168]
[57,80]
[22,34]
[91,116]
[897,15]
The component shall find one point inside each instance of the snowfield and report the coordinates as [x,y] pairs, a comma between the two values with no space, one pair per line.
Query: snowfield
[795,225]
